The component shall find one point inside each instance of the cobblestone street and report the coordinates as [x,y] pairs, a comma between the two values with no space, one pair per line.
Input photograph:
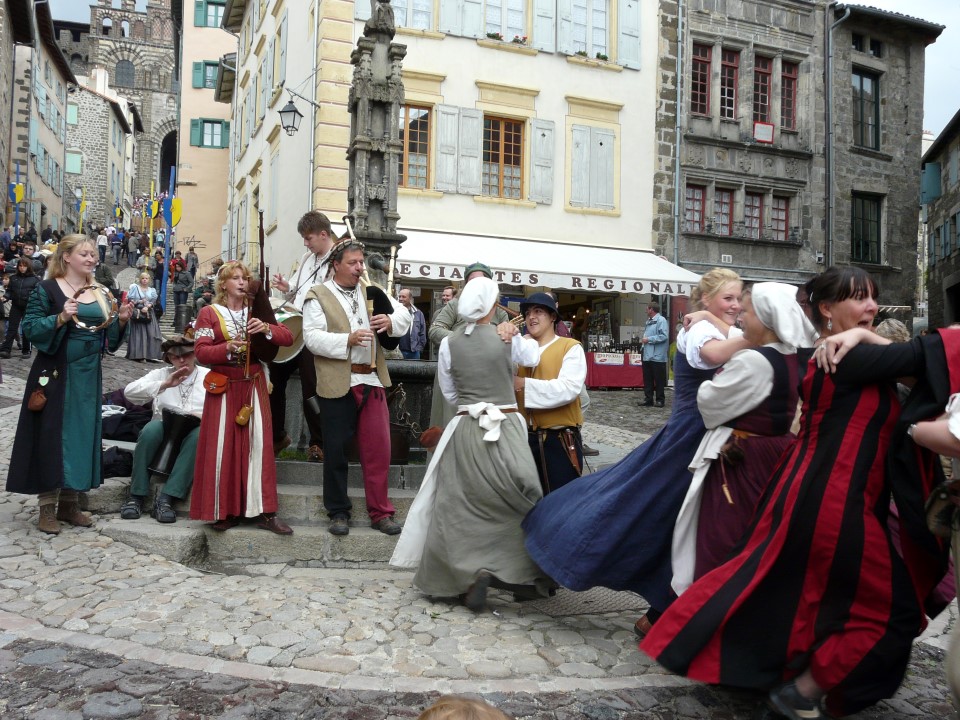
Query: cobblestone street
[93,628]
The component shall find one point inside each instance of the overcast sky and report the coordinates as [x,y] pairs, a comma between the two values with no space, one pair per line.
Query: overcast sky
[943,60]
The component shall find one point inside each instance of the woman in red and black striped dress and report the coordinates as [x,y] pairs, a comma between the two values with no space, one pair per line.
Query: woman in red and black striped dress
[817,602]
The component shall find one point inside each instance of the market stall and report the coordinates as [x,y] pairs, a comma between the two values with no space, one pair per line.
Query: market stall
[614,370]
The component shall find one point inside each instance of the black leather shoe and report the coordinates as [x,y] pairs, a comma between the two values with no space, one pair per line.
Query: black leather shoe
[476,596]
[132,508]
[163,510]
[660,404]
[589,451]
[647,403]
[340,525]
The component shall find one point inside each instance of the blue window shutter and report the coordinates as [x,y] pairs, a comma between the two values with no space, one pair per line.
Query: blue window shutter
[33,136]
[545,25]
[541,161]
[198,79]
[930,183]
[225,134]
[196,133]
[601,168]
[450,17]
[628,40]
[361,9]
[565,26]
[580,166]
[448,130]
[199,13]
[471,149]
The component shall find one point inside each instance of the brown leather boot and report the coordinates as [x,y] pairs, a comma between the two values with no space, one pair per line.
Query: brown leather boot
[68,510]
[48,519]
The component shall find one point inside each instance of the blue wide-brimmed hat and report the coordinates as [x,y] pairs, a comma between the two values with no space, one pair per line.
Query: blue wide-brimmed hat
[540,299]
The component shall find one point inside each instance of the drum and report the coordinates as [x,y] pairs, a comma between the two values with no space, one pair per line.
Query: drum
[292,319]
[176,427]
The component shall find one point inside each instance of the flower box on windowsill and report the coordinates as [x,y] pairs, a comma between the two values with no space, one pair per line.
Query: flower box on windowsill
[507,45]
[594,62]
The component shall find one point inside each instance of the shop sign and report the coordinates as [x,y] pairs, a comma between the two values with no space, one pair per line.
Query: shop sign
[607,358]
[635,359]
[436,271]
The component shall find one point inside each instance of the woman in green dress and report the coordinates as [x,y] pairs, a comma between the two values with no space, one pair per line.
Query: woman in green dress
[56,451]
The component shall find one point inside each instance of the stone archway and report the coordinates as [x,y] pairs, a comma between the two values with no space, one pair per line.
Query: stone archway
[168,158]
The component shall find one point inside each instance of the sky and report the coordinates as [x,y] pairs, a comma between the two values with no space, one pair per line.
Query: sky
[942,65]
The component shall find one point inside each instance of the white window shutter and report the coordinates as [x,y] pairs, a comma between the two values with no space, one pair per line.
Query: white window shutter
[283,51]
[580,166]
[472,20]
[471,148]
[361,9]
[601,168]
[450,17]
[545,25]
[448,129]
[541,161]
[628,41]
[565,26]
[268,69]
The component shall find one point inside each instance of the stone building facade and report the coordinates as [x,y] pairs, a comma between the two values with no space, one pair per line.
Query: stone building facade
[41,83]
[757,189]
[940,195]
[97,131]
[138,51]
[14,28]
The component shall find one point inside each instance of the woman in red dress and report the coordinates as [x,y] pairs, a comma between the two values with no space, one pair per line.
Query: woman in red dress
[818,605]
[235,475]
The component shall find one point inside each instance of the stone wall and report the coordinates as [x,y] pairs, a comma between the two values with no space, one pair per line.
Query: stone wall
[91,136]
[664,187]
[892,171]
[6,85]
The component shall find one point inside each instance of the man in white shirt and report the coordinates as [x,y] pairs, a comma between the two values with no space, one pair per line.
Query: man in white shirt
[318,237]
[178,395]
[549,395]
[351,377]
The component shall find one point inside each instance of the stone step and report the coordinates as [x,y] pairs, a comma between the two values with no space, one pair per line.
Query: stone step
[293,472]
[192,542]
[301,504]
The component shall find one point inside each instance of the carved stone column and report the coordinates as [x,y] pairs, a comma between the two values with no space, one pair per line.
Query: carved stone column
[375,148]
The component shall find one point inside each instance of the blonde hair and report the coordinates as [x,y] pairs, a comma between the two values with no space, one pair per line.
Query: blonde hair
[224,274]
[66,246]
[58,267]
[454,707]
[710,284]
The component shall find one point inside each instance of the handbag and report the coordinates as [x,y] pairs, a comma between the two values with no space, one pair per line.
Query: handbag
[37,401]
[215,383]
[143,315]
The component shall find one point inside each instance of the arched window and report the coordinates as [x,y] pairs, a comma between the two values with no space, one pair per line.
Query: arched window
[124,75]
[125,29]
[139,30]
[106,27]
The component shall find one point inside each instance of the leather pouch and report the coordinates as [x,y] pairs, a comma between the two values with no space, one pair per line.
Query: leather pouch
[37,401]
[941,507]
[243,415]
[215,383]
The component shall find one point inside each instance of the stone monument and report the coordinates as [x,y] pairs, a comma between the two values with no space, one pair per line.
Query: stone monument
[375,150]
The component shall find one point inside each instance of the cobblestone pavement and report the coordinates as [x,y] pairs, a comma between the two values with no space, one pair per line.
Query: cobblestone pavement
[92,628]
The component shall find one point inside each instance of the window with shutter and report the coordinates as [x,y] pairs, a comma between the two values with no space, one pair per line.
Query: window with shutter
[470,145]
[593,167]
[448,134]
[282,75]
[415,137]
[198,75]
[541,161]
[502,158]
[196,132]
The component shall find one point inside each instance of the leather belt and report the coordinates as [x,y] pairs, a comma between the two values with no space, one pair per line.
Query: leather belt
[360,369]
[503,410]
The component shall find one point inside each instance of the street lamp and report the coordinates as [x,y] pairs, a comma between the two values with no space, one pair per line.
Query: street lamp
[290,117]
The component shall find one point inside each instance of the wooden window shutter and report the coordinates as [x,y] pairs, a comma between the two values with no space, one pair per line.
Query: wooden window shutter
[471,149]
[448,130]
[541,161]
[628,40]
[196,132]
[545,25]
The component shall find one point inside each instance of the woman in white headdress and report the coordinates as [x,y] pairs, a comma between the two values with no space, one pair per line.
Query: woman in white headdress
[748,407]
[463,530]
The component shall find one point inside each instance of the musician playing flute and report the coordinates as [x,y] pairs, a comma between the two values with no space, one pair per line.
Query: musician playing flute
[178,390]
[351,377]
[318,238]
[235,475]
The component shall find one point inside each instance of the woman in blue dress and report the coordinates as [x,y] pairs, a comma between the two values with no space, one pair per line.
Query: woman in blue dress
[614,528]
[56,451]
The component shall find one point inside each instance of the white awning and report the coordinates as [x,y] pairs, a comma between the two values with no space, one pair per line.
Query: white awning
[441,257]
